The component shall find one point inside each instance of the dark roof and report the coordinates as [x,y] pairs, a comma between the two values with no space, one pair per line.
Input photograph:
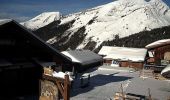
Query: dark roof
[18,42]
[83,57]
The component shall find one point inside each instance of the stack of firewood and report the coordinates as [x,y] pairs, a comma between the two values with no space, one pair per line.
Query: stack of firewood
[49,91]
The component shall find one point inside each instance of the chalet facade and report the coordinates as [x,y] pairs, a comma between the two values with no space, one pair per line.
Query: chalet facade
[22,58]
[83,59]
[159,53]
[123,56]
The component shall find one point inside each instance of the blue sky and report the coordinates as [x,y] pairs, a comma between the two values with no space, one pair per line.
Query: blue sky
[26,9]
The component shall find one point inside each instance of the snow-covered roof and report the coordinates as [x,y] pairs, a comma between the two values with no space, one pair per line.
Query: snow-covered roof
[166,71]
[158,43]
[123,53]
[105,50]
[61,75]
[83,57]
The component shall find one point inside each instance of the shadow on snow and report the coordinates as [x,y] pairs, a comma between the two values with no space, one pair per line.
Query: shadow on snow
[95,81]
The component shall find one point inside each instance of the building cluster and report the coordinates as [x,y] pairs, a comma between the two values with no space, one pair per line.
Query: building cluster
[23,57]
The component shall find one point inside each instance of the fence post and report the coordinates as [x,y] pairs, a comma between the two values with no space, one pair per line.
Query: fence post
[66,87]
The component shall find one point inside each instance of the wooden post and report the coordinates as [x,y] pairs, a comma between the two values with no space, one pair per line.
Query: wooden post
[149,94]
[168,98]
[88,79]
[40,87]
[81,82]
[123,95]
[66,88]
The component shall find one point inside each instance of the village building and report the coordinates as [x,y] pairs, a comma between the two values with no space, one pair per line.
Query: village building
[159,54]
[123,56]
[83,59]
[22,58]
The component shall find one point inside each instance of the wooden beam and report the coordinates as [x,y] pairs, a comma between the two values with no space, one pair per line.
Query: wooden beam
[66,88]
[60,87]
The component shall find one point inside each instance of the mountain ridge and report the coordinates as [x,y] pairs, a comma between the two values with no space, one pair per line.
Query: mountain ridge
[103,23]
[41,20]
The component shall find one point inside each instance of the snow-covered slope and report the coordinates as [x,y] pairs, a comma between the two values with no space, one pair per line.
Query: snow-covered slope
[41,20]
[119,19]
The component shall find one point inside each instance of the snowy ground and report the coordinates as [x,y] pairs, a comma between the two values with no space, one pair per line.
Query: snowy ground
[105,81]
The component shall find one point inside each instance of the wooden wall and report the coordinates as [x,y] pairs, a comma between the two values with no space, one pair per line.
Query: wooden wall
[160,51]
[150,61]
[107,61]
[137,65]
[20,81]
[126,63]
[131,64]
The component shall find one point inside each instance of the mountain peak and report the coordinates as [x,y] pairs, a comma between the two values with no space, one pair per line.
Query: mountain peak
[41,20]
[120,18]
[108,22]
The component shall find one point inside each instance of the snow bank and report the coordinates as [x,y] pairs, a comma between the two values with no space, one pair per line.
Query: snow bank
[60,75]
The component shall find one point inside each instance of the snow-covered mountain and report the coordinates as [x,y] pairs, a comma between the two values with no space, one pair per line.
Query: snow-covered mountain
[107,22]
[41,20]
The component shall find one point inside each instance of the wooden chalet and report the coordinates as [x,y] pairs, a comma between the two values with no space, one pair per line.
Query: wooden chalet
[123,56]
[22,58]
[159,53]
